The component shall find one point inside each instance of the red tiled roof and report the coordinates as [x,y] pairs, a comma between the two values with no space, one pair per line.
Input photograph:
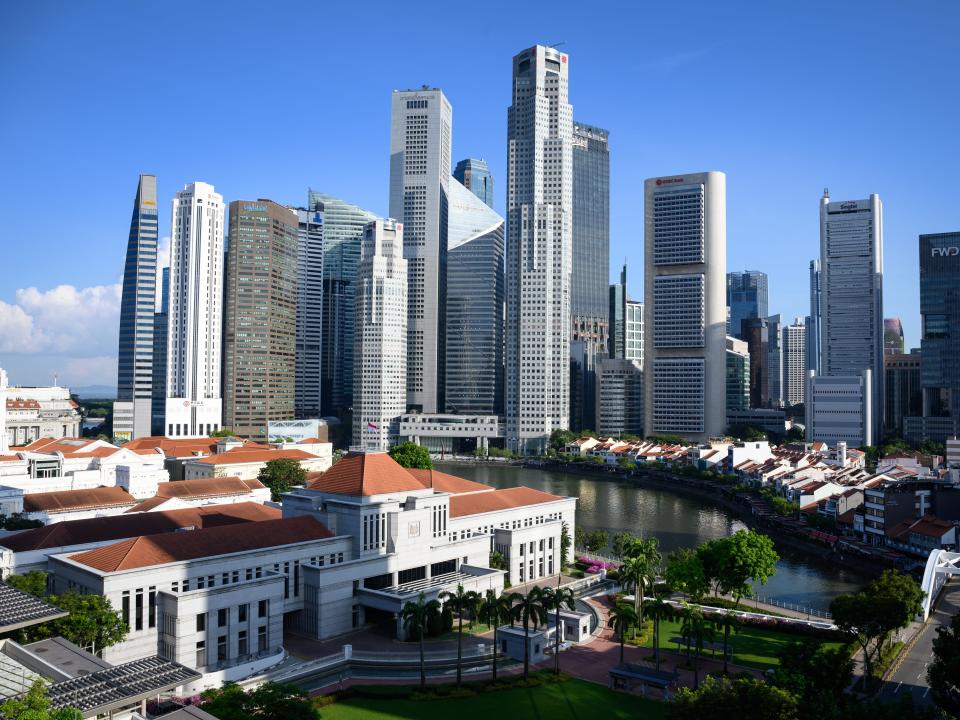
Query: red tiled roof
[243,455]
[309,441]
[118,527]
[931,527]
[149,550]
[366,474]
[22,404]
[197,489]
[51,445]
[442,482]
[514,497]
[10,458]
[70,500]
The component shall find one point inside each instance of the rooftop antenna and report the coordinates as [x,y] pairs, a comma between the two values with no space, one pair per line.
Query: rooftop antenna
[826,192]
[55,380]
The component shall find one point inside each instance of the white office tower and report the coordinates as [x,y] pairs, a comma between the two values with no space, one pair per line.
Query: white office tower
[380,349]
[539,249]
[794,354]
[309,313]
[420,129]
[685,285]
[4,446]
[194,337]
[851,266]
[840,408]
[633,348]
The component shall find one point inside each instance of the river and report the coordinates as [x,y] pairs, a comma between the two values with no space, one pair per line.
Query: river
[613,504]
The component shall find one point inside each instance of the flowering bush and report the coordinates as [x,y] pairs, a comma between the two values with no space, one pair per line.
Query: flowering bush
[593,567]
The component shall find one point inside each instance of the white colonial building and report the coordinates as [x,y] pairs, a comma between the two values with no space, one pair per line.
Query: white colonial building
[31,413]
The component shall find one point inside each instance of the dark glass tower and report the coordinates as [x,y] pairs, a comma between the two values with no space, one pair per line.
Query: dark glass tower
[132,412]
[814,319]
[160,356]
[618,316]
[475,176]
[940,312]
[746,298]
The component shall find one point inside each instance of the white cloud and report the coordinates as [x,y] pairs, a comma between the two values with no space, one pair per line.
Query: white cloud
[17,332]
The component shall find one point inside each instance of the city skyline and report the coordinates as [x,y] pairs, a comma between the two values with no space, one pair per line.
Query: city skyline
[64,318]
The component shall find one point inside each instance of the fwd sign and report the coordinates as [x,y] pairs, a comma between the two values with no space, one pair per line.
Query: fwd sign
[945,251]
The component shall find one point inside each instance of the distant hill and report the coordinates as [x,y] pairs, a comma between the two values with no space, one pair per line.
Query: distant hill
[98,392]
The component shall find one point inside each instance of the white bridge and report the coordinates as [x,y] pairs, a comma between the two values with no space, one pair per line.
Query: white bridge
[940,565]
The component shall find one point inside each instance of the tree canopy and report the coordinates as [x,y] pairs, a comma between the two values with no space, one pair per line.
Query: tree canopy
[35,705]
[943,673]
[281,475]
[410,455]
[270,701]
[745,699]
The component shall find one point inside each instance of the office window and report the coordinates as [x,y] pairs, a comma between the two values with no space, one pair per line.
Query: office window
[249,573]
[222,649]
[242,648]
[201,622]
[125,608]
[138,609]
[262,638]
[201,654]
[152,607]
[262,608]
[222,617]
[242,612]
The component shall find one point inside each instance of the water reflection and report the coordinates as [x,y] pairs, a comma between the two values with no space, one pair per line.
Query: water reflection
[677,521]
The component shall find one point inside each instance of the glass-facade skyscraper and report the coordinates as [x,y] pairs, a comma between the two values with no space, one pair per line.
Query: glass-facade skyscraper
[475,297]
[617,314]
[309,312]
[342,236]
[746,297]
[814,319]
[475,176]
[160,318]
[133,410]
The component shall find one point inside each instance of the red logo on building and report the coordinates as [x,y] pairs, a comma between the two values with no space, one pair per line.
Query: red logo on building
[563,58]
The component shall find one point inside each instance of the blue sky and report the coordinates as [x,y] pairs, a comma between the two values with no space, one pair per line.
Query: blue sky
[267,99]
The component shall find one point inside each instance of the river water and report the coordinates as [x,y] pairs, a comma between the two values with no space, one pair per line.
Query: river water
[676,520]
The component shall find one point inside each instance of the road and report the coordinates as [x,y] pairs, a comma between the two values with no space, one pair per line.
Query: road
[911,675]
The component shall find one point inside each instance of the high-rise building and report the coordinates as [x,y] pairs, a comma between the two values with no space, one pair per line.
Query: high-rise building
[775,361]
[851,262]
[194,406]
[814,319]
[420,129]
[685,238]
[903,390]
[343,228]
[475,305]
[589,294]
[583,386]
[617,315]
[633,341]
[940,341]
[380,395]
[475,176]
[132,411]
[160,329]
[539,249]
[746,298]
[738,375]
[260,318]
[892,336]
[794,362]
[309,313]
[756,334]
[619,397]
[838,408]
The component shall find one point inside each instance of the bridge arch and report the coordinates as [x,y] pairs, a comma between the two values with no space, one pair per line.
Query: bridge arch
[940,565]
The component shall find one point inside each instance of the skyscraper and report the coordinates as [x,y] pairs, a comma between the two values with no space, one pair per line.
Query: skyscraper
[539,249]
[738,375]
[475,297]
[775,361]
[756,334]
[617,315]
[794,354]
[260,319]
[194,406]
[746,297]
[619,397]
[133,409]
[892,336]
[903,390]
[685,239]
[475,176]
[851,262]
[343,228]
[814,319]
[940,341]
[633,342]
[160,329]
[420,129]
[380,395]
[309,313]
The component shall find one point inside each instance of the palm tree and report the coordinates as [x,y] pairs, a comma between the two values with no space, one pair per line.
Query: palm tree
[529,609]
[494,610]
[696,629]
[728,621]
[632,574]
[557,599]
[460,601]
[416,615]
[622,618]
[659,609]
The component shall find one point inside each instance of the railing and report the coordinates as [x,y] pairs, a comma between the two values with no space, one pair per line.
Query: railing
[795,607]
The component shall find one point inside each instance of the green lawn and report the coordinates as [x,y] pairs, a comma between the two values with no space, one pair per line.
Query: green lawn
[570,700]
[752,647]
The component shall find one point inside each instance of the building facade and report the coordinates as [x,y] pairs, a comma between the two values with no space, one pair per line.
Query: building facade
[381,337]
[260,320]
[539,249]
[892,336]
[738,375]
[617,314]
[195,320]
[475,305]
[309,313]
[746,298]
[838,409]
[343,228]
[475,176]
[851,261]
[775,360]
[420,137]
[794,359]
[814,318]
[633,340]
[902,390]
[685,286]
[132,412]
[160,330]
[38,412]
[619,408]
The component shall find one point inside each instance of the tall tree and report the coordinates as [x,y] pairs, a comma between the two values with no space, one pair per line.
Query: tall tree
[659,609]
[460,601]
[494,610]
[416,616]
[696,630]
[529,610]
[622,618]
[33,582]
[741,558]
[728,621]
[943,673]
[854,615]
[642,562]
[557,599]
[898,599]
[282,475]
[685,573]
[565,544]
[410,455]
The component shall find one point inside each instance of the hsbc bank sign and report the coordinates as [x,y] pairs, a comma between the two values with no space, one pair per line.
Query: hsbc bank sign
[669,181]
[950,251]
